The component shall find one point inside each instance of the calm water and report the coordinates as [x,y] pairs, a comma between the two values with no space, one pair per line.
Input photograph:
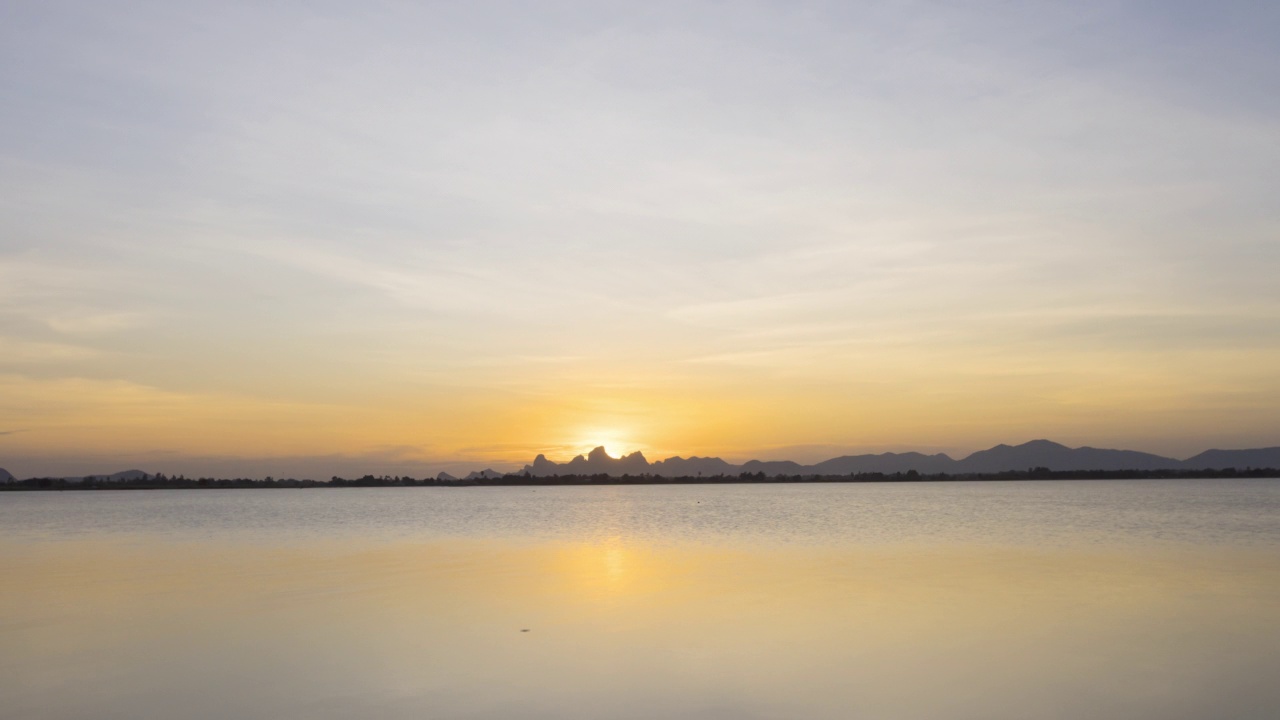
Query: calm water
[1154,599]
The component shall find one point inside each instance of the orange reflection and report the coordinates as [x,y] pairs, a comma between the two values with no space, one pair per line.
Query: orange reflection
[609,568]
[816,633]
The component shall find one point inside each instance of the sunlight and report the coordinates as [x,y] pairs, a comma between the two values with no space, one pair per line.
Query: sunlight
[614,442]
[607,569]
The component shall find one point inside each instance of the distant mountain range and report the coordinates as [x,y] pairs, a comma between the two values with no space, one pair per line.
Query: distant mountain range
[1001,458]
[486,474]
[5,477]
[116,477]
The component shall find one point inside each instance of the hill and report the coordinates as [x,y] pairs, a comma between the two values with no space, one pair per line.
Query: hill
[1051,455]
[1217,459]
[1001,458]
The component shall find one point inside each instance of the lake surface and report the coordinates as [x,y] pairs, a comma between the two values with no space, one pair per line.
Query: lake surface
[1136,599]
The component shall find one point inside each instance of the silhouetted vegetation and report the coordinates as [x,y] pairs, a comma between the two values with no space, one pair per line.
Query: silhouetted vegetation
[162,482]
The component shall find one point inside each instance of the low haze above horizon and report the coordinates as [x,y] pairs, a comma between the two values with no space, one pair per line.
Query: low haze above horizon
[388,237]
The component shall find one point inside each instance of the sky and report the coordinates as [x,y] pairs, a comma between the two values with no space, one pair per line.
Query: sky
[305,239]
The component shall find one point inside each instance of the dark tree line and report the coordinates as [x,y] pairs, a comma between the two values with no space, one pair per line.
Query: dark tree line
[162,482]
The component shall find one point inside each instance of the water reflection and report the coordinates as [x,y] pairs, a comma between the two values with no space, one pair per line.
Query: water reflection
[129,627]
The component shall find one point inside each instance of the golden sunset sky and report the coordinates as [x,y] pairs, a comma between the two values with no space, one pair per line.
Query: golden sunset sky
[338,238]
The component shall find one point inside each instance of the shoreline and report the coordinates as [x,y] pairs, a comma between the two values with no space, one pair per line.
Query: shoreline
[1039,474]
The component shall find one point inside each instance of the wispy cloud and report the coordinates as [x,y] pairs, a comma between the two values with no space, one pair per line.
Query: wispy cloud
[19,352]
[85,322]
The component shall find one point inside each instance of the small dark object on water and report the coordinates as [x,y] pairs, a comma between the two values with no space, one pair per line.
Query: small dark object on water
[524,630]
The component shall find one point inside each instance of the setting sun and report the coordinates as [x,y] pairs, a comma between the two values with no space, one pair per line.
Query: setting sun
[615,442]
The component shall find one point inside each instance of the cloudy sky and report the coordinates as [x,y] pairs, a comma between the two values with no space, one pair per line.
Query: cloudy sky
[312,238]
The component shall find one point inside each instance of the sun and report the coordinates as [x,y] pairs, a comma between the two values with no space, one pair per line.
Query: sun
[615,442]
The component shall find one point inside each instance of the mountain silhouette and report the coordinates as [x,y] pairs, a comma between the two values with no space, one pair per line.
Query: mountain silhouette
[772,467]
[117,477]
[1218,459]
[887,463]
[1001,458]
[1051,455]
[692,467]
[597,462]
[122,476]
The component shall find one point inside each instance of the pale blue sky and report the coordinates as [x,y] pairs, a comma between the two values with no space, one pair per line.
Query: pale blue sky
[1032,208]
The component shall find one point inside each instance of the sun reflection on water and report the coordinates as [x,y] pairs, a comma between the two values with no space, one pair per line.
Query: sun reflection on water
[617,624]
